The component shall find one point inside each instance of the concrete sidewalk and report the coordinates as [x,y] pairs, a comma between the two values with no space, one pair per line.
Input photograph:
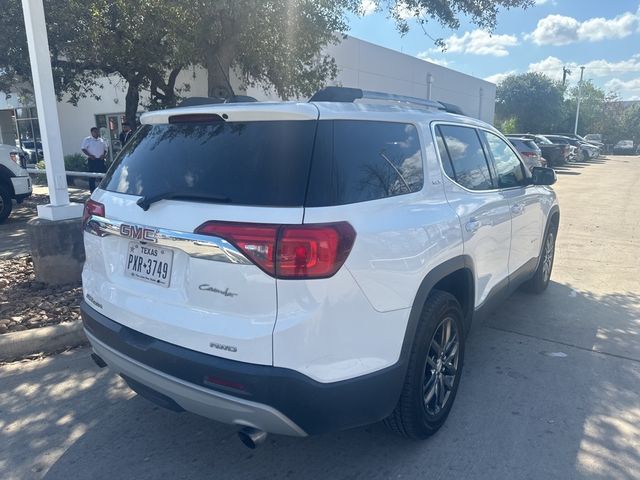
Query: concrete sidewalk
[549,389]
[14,237]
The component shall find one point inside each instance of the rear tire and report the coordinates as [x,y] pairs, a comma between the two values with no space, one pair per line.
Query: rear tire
[540,280]
[5,203]
[434,370]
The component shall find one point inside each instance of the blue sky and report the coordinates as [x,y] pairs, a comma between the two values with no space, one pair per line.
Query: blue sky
[602,35]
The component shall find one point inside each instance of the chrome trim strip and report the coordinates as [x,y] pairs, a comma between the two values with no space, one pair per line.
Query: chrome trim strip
[194,245]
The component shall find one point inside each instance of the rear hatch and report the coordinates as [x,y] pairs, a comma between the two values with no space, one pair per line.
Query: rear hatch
[153,263]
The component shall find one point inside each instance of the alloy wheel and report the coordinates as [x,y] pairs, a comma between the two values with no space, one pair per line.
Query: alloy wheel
[547,261]
[442,366]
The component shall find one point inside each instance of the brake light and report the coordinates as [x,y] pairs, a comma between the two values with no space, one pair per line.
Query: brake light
[289,251]
[528,154]
[92,208]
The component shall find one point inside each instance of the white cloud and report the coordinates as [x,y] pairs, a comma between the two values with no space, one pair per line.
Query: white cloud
[622,26]
[627,89]
[367,7]
[438,61]
[552,66]
[563,30]
[555,30]
[498,77]
[479,42]
[541,2]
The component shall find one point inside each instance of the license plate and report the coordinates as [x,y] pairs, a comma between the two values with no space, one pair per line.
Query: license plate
[149,263]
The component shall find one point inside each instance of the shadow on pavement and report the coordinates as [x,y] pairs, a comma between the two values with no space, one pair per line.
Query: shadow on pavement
[534,403]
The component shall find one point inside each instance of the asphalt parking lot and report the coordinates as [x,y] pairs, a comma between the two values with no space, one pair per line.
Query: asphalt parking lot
[551,386]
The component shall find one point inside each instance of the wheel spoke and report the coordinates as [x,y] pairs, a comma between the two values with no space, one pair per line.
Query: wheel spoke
[448,381]
[431,362]
[430,390]
[436,346]
[440,392]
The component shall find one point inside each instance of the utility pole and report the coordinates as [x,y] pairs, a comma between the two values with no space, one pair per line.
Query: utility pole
[565,72]
[575,129]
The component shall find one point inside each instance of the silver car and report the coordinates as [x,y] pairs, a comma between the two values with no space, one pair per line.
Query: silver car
[529,151]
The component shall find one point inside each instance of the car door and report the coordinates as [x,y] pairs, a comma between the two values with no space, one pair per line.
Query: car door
[525,202]
[472,191]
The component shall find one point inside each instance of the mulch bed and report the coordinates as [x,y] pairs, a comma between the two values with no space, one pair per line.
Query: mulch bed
[26,303]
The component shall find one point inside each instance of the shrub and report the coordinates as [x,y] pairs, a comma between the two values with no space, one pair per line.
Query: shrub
[75,162]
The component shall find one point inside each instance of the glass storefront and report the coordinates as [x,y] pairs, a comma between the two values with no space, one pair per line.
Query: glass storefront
[29,132]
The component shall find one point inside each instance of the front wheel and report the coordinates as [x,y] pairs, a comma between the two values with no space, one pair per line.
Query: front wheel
[434,370]
[5,203]
[540,279]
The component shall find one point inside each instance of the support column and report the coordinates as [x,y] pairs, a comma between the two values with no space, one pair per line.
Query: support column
[46,103]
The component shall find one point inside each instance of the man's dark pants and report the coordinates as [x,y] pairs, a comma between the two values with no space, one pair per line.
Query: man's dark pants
[95,165]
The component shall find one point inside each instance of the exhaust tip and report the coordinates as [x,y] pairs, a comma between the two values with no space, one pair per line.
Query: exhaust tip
[252,437]
[98,361]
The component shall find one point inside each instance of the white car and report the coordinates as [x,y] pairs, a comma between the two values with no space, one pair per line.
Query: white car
[15,183]
[299,268]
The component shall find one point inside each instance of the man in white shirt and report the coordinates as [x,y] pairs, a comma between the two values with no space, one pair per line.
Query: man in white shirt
[95,148]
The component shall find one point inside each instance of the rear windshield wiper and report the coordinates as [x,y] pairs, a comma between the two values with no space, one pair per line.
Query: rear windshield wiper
[145,202]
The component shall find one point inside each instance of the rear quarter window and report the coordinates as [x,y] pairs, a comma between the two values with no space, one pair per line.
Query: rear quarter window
[357,161]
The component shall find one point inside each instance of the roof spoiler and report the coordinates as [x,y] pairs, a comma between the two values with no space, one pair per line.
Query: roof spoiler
[196,101]
[350,95]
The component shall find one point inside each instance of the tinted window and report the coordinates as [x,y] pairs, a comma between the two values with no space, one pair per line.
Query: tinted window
[444,154]
[508,166]
[252,163]
[467,157]
[356,161]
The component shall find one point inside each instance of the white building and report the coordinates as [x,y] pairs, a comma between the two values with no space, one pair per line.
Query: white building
[361,64]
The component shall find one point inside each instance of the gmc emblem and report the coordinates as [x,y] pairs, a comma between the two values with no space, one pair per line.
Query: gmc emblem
[138,233]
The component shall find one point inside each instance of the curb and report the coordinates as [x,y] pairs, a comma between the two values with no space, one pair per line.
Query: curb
[47,340]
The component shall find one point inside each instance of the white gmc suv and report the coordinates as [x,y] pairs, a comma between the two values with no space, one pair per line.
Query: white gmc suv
[299,268]
[15,183]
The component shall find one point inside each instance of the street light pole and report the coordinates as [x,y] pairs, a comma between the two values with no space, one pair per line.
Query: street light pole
[35,26]
[575,128]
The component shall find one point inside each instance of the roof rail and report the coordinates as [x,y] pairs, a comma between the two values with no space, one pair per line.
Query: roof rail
[346,94]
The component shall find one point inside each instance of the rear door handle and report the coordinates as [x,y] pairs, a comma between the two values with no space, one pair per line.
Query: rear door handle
[472,225]
[517,209]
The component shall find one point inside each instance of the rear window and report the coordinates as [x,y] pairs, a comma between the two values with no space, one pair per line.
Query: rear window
[249,163]
[357,161]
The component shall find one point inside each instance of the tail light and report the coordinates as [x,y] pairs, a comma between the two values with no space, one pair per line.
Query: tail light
[289,251]
[528,154]
[92,208]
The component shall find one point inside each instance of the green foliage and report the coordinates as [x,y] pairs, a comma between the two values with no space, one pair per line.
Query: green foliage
[510,125]
[533,100]
[75,162]
[631,124]
[534,103]
[274,44]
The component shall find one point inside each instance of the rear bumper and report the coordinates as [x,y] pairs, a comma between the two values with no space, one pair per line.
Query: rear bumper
[277,400]
[21,186]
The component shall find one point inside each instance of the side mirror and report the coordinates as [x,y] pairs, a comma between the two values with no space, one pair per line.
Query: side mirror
[543,176]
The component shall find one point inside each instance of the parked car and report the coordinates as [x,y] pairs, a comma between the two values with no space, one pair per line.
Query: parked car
[554,153]
[300,268]
[529,151]
[33,150]
[595,139]
[623,147]
[584,151]
[15,183]
[594,148]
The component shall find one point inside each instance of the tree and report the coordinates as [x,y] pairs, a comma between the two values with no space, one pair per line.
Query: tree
[279,43]
[138,40]
[630,124]
[274,43]
[533,100]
